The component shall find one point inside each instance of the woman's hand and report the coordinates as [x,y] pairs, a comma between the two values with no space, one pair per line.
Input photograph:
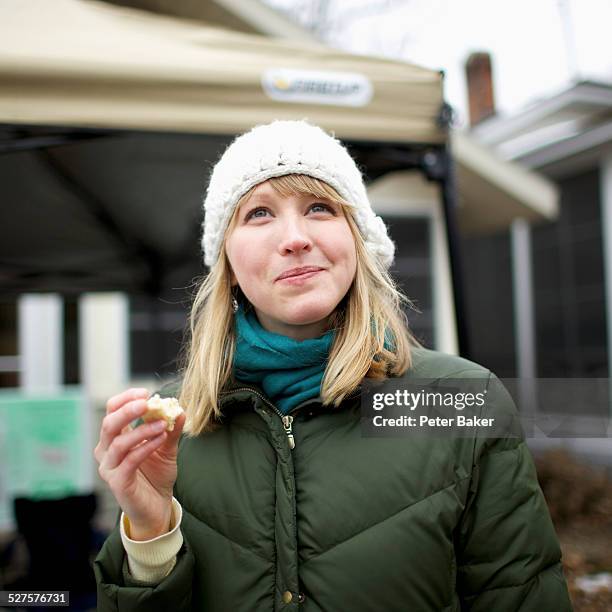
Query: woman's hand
[139,465]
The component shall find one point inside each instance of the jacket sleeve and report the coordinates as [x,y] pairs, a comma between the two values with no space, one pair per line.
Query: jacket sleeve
[118,591]
[508,555]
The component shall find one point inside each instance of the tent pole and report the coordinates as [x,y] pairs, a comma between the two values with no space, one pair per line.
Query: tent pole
[439,166]
[449,201]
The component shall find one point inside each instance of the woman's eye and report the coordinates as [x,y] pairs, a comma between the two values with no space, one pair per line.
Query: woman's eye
[255,213]
[321,207]
[262,213]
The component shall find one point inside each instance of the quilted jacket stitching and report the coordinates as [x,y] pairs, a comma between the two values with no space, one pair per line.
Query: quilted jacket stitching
[547,568]
[387,518]
[243,546]
[501,452]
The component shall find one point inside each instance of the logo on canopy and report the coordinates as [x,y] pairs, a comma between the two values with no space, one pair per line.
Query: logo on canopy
[317,87]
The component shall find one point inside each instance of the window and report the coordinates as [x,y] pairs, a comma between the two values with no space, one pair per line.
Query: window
[569,284]
[412,269]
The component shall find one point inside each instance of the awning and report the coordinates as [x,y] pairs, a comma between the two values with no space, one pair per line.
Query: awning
[493,192]
[90,64]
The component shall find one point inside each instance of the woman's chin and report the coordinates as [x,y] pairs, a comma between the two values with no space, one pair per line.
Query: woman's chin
[306,314]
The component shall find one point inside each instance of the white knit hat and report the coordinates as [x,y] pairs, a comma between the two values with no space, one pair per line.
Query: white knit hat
[277,149]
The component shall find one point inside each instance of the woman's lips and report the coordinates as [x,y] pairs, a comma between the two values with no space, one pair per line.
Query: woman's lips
[298,279]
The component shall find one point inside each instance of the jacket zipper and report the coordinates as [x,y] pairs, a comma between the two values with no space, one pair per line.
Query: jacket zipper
[287,420]
[287,423]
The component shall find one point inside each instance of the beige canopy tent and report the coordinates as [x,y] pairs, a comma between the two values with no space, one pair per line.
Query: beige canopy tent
[88,91]
[81,63]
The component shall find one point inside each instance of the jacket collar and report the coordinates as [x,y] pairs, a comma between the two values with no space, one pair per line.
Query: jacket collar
[237,391]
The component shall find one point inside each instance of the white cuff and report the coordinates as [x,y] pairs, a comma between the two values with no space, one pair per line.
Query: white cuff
[152,560]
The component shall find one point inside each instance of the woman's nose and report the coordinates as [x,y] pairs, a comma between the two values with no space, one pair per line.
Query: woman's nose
[294,239]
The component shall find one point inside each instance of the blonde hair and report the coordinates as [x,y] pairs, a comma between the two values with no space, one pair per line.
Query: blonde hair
[372,338]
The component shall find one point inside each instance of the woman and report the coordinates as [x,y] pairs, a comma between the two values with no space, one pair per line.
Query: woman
[272,499]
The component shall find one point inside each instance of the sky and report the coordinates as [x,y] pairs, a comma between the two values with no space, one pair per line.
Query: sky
[535,52]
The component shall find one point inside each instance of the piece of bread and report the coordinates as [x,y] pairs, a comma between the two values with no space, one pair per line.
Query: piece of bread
[166,408]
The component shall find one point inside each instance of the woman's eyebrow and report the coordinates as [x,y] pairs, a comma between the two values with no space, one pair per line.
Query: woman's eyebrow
[255,200]
[262,197]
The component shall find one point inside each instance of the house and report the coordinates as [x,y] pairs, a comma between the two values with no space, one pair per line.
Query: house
[553,293]
[568,138]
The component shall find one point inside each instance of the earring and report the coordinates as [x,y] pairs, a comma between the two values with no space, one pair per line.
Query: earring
[234,304]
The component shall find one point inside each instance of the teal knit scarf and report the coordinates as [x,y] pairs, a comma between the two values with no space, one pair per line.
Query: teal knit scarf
[288,371]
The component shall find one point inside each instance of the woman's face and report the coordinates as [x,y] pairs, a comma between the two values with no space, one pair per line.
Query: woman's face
[294,259]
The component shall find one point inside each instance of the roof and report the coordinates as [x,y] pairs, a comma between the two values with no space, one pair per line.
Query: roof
[493,192]
[567,129]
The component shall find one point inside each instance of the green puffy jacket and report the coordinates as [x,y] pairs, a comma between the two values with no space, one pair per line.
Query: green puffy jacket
[346,523]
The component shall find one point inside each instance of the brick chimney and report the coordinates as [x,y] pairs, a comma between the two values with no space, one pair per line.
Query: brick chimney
[480,87]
